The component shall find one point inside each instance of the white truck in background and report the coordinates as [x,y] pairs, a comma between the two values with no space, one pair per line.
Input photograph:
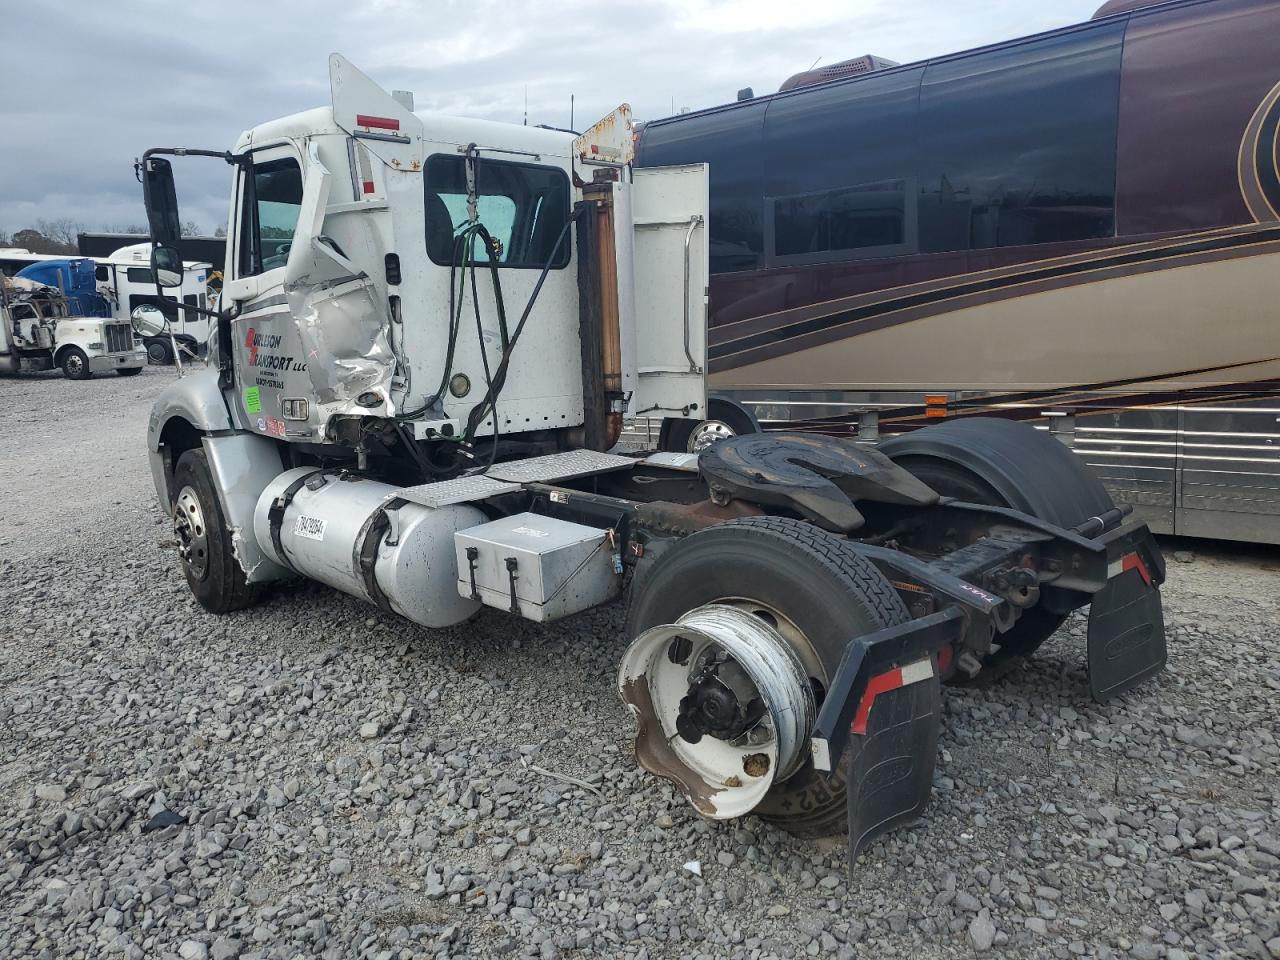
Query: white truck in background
[39,332]
[125,280]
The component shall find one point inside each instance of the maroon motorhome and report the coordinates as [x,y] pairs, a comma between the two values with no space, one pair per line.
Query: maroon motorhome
[1078,228]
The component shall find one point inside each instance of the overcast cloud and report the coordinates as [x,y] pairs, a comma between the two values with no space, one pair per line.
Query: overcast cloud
[89,85]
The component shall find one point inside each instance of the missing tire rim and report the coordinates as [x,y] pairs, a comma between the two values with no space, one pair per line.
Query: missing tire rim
[723,706]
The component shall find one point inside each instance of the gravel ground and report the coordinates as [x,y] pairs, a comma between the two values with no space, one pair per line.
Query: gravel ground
[342,784]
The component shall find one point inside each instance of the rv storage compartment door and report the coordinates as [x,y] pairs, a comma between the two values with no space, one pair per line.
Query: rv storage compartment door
[670,257]
[539,567]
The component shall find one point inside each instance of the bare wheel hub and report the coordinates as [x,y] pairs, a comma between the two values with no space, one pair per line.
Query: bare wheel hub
[723,705]
[709,432]
[192,533]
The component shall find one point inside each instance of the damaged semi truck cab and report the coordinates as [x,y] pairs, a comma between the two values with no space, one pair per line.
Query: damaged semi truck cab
[433,331]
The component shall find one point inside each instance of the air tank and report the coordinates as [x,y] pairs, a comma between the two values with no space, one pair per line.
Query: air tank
[357,536]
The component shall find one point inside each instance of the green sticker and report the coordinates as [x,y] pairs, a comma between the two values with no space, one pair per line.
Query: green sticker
[253,400]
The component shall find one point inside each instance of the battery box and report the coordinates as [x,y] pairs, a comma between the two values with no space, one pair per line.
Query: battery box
[538,567]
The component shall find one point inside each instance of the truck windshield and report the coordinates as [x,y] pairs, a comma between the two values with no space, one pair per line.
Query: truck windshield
[524,206]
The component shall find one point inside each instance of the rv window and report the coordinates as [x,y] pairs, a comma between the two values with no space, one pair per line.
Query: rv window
[139,275]
[272,202]
[1018,144]
[523,206]
[866,217]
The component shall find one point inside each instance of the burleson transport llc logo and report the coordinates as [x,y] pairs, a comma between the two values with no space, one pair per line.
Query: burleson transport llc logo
[255,342]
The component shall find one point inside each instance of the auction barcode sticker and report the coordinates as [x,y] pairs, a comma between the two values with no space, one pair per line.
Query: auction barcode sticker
[310,527]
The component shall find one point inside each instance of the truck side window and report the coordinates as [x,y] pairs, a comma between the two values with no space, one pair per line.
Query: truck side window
[272,201]
[524,206]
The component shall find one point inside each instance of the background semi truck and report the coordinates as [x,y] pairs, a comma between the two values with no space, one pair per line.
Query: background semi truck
[429,344]
[123,282]
[59,321]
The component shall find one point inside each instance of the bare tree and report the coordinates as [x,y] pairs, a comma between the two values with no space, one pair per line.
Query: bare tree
[63,232]
[191,229]
[220,231]
[4,239]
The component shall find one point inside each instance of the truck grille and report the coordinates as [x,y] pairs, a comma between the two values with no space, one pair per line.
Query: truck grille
[118,337]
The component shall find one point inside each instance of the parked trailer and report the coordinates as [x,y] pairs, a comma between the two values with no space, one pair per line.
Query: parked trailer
[429,346]
[1077,230]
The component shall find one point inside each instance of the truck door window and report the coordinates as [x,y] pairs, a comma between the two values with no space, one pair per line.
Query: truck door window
[272,201]
[524,206]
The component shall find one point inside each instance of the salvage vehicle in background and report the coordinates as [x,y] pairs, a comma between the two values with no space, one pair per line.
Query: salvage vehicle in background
[1077,230]
[429,344]
[40,329]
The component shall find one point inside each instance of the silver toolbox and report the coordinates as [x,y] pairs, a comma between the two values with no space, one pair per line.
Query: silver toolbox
[553,567]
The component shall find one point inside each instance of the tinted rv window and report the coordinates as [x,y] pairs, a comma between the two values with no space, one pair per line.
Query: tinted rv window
[139,275]
[1017,145]
[840,168]
[862,218]
[524,207]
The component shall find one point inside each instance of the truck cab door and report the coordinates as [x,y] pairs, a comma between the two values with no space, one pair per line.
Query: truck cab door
[267,350]
[669,276]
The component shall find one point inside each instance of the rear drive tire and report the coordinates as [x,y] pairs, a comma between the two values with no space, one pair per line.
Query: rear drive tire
[75,365]
[817,581]
[211,569]
[1026,470]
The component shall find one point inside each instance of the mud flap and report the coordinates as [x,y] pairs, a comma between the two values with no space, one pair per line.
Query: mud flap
[890,768]
[879,725]
[1126,634]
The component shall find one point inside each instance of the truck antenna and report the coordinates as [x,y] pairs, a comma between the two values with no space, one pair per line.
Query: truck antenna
[571,126]
[526,104]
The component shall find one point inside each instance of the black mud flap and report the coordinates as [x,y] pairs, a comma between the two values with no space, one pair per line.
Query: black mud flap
[1126,635]
[890,768]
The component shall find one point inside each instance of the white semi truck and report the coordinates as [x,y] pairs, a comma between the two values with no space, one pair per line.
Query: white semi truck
[38,331]
[434,330]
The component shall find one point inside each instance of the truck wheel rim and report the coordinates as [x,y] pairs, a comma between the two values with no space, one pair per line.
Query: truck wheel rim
[156,353]
[709,432]
[74,364]
[193,535]
[723,705]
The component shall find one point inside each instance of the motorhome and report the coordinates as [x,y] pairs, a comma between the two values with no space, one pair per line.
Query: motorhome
[1078,230]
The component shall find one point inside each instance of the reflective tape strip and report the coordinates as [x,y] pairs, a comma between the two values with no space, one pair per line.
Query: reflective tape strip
[886,683]
[1130,561]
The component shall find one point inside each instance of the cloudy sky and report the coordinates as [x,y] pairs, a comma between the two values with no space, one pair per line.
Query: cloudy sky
[111,79]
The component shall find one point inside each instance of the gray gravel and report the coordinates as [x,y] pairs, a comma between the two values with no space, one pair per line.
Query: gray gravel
[312,778]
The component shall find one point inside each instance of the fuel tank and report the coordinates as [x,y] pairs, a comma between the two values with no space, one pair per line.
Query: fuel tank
[356,536]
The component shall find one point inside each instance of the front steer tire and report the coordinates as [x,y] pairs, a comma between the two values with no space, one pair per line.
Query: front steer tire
[75,364]
[817,580]
[215,577]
